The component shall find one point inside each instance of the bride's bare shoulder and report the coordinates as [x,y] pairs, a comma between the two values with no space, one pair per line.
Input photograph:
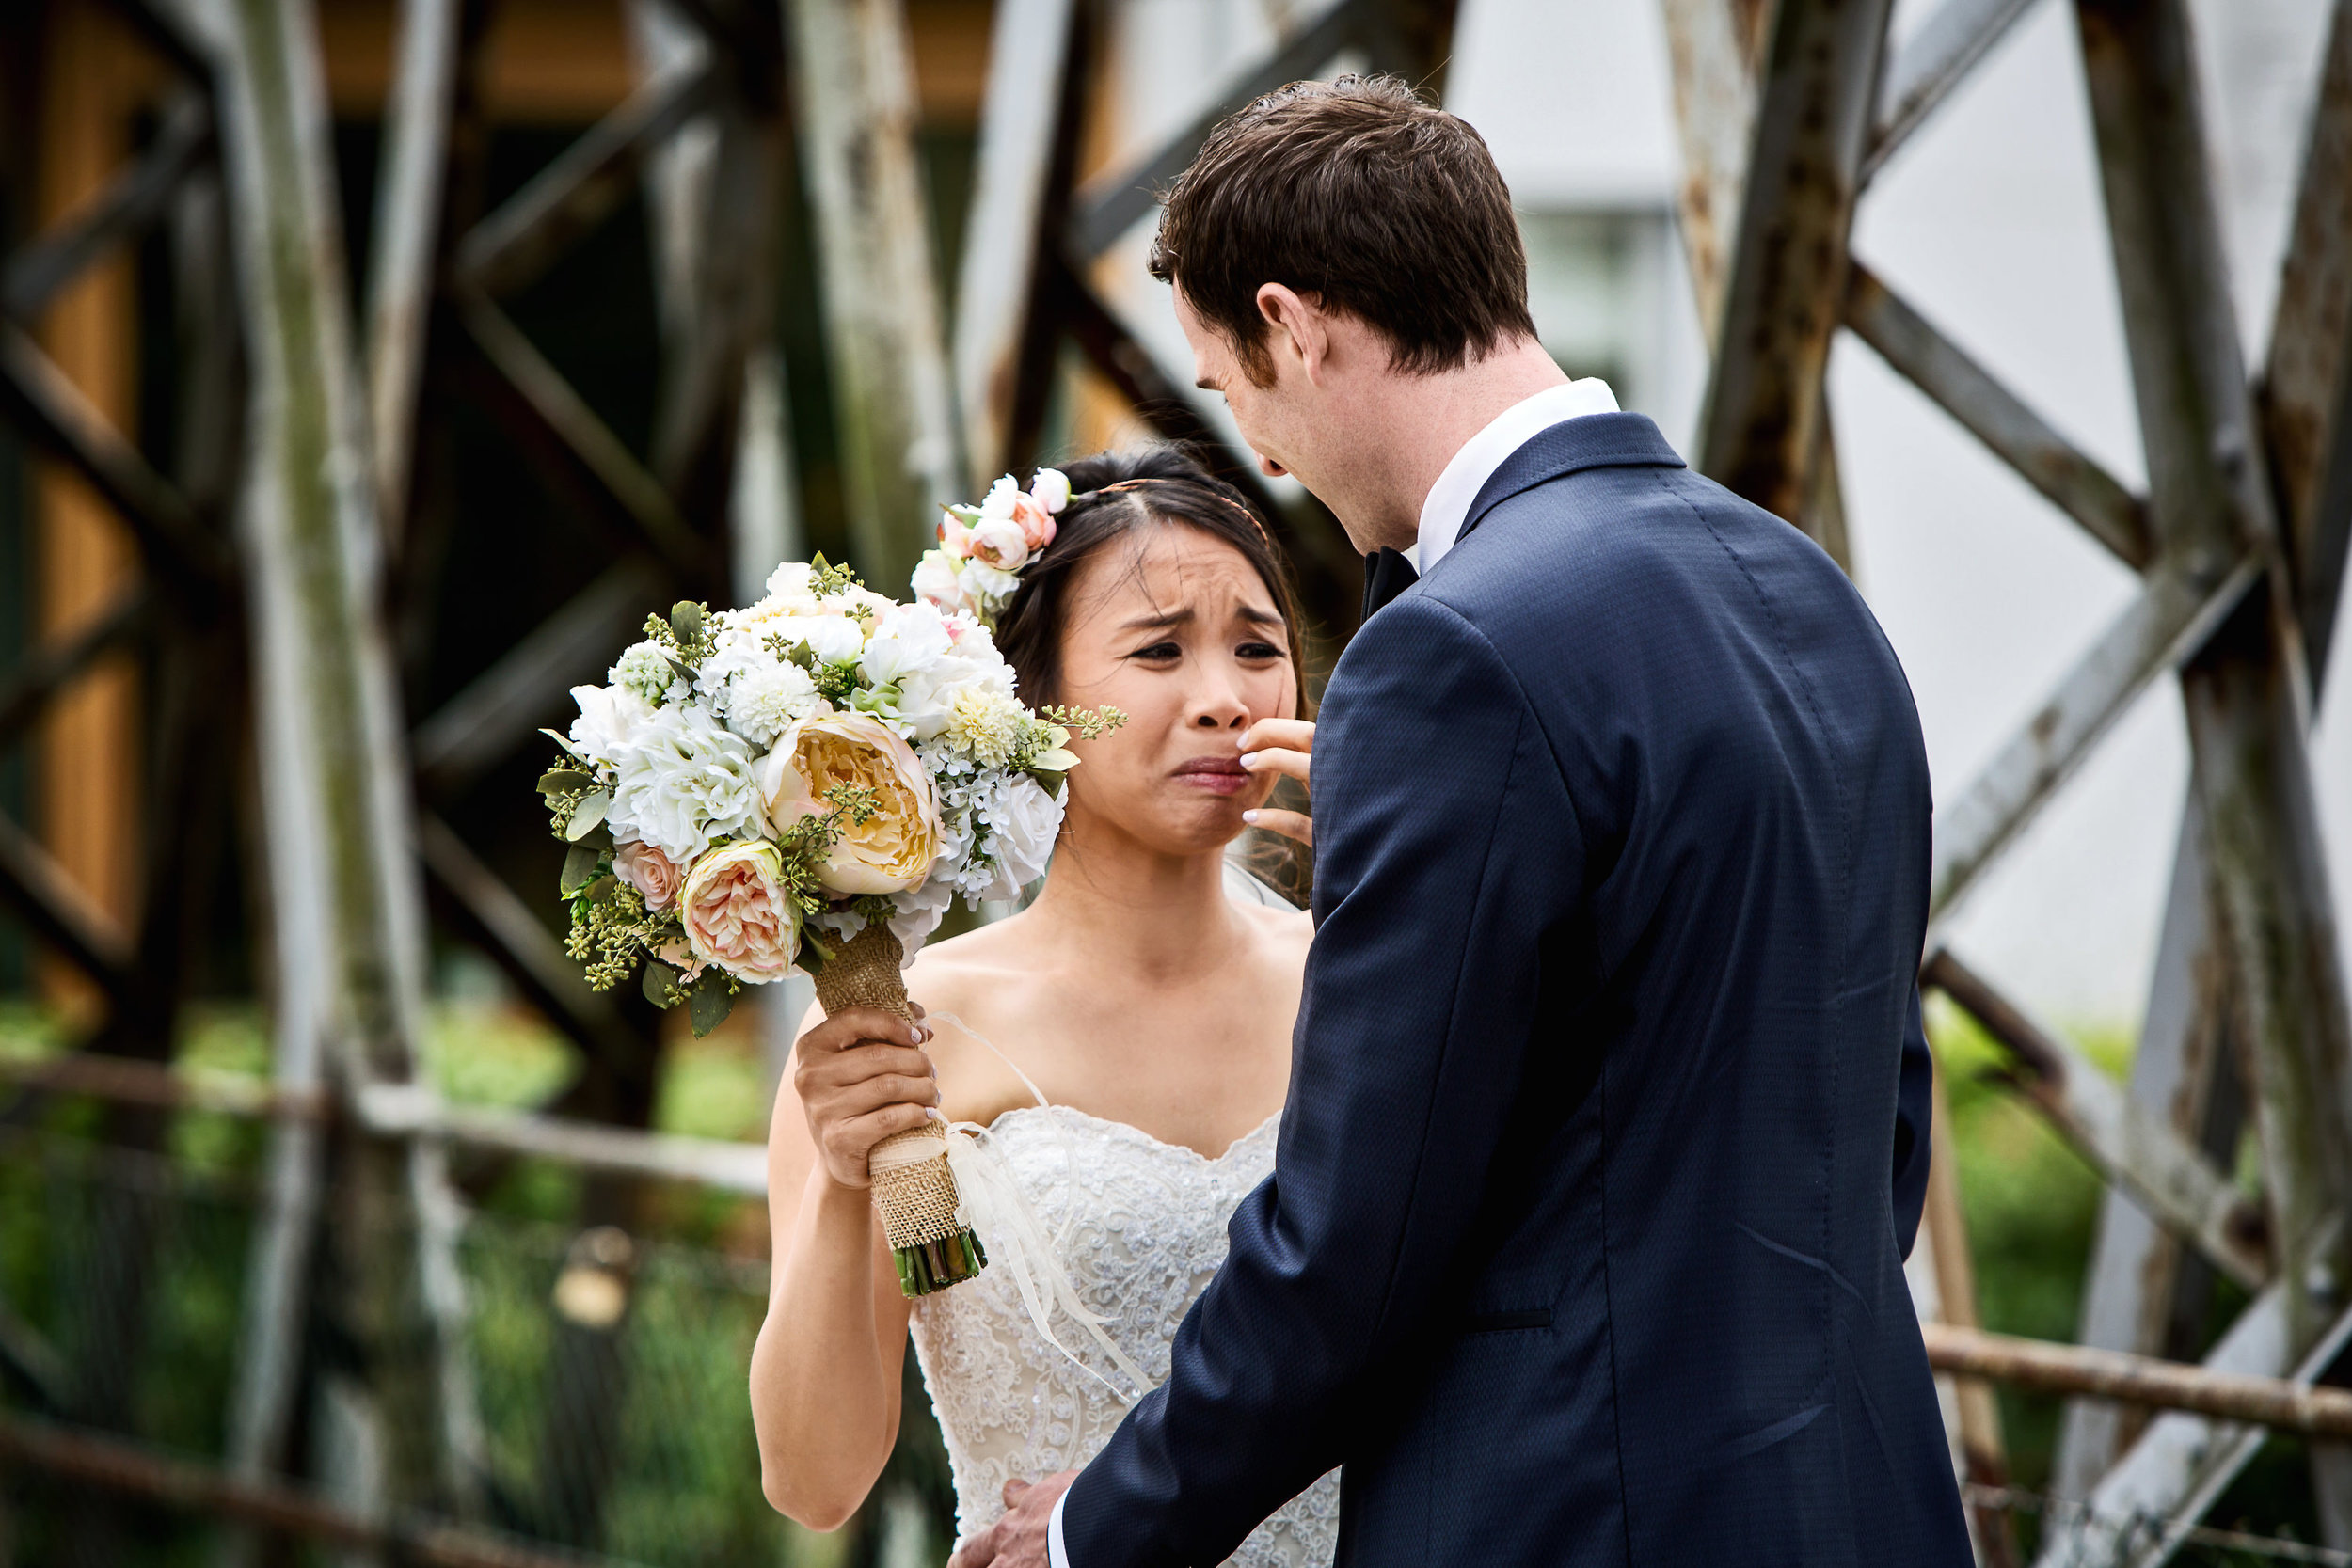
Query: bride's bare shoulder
[1284,930]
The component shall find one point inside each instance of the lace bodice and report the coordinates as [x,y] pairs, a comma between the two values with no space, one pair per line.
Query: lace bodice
[1143,1228]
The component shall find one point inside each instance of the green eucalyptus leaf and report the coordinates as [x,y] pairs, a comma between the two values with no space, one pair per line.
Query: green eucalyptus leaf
[686,619]
[814,955]
[564,741]
[588,816]
[709,1000]
[555,781]
[601,889]
[579,867]
[661,984]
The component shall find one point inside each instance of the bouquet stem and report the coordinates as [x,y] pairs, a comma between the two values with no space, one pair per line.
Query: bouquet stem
[914,1191]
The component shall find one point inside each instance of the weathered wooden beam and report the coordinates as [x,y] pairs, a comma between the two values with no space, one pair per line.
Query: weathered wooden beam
[2306,385]
[2164,1172]
[126,209]
[407,239]
[1787,266]
[502,708]
[1713,47]
[519,241]
[2143,1508]
[89,1458]
[1115,202]
[347,916]
[853,91]
[2142,1281]
[1931,62]
[1988,411]
[40,674]
[582,429]
[1021,172]
[47,408]
[2171,618]
[2053,1368]
[49,901]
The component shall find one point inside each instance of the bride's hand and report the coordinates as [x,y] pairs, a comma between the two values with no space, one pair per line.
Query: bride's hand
[861,1077]
[1285,746]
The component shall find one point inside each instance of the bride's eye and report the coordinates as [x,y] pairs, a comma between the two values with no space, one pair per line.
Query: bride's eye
[1158,652]
[1255,652]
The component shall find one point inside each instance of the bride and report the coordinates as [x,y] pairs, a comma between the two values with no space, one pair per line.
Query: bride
[1125,1040]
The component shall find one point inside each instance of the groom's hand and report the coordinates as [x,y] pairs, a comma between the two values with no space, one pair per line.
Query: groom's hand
[1283,747]
[1018,1539]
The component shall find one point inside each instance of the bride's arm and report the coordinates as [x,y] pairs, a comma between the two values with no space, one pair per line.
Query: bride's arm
[825,1370]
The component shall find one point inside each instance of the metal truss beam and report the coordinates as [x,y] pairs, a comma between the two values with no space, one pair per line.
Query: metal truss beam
[1935,59]
[127,208]
[1995,416]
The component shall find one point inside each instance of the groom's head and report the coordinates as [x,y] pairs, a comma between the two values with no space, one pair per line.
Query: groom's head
[1337,249]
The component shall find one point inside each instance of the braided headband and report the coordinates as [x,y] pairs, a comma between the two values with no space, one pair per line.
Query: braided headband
[983,549]
[1209,490]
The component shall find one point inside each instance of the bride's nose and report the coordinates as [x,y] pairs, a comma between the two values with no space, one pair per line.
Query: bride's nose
[1218,705]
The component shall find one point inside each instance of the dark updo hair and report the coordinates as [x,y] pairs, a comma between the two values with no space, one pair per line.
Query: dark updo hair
[1166,485]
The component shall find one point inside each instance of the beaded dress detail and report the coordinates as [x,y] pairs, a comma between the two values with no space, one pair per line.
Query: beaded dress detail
[1141,1227]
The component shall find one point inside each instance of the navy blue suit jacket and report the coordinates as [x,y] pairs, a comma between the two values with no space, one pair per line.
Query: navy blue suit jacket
[1608,1119]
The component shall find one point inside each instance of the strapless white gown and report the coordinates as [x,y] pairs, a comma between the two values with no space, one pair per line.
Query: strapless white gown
[1143,1227]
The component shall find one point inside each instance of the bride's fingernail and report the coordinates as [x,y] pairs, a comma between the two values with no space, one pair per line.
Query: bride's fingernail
[1249,759]
[1249,816]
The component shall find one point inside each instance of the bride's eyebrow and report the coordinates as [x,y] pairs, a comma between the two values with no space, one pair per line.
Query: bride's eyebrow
[1164,618]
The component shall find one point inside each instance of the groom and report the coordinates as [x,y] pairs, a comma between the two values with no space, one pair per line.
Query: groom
[1607,1129]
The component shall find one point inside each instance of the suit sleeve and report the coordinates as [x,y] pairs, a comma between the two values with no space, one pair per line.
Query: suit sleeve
[1914,1100]
[1446,844]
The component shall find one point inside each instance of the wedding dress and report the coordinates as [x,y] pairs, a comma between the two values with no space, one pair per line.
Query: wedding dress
[1139,1226]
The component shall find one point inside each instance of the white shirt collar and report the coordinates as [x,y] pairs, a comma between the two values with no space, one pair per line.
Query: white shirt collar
[1449,503]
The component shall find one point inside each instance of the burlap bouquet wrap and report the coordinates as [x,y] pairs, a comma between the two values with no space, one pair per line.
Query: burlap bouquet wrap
[914,1191]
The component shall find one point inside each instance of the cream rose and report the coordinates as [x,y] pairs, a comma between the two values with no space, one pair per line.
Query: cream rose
[1002,543]
[893,849]
[736,912]
[650,872]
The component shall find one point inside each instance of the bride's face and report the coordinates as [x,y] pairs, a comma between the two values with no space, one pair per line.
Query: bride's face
[1173,628]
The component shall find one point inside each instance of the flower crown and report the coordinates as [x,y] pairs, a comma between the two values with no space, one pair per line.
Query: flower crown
[983,548]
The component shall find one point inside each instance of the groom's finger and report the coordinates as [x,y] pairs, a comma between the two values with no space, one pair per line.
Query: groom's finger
[1292,734]
[979,1552]
[1279,759]
[1290,824]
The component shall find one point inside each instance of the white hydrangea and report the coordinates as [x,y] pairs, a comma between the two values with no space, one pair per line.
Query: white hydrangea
[764,700]
[644,667]
[685,780]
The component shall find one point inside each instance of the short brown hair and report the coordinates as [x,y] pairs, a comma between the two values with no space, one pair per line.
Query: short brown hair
[1387,208]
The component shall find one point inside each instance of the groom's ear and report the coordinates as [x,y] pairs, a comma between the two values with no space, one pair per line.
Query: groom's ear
[1296,330]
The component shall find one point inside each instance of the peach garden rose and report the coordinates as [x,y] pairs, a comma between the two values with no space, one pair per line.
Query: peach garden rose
[737,914]
[892,851]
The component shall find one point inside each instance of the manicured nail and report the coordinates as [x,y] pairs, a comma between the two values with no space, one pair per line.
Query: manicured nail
[1249,759]
[1249,816]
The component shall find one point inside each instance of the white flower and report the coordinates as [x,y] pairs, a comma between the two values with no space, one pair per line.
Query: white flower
[1025,821]
[985,583]
[644,669]
[997,505]
[1051,487]
[935,580]
[764,700]
[794,582]
[684,780]
[834,639]
[919,913]
[609,717]
[906,640]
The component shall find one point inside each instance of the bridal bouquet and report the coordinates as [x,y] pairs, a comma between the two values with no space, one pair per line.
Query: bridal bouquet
[803,787]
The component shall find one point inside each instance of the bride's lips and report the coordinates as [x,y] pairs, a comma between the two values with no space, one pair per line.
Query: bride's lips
[1219,775]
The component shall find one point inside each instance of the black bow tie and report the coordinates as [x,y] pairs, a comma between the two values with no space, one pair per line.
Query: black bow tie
[1386,575]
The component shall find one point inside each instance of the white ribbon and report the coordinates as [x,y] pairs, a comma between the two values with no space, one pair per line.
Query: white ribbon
[1000,1213]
